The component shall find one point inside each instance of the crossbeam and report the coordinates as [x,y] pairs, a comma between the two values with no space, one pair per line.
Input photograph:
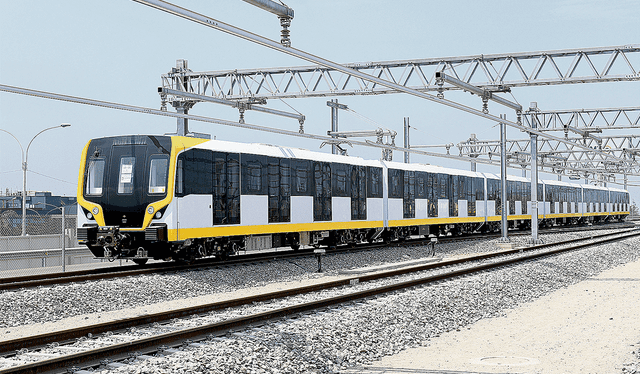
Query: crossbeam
[492,72]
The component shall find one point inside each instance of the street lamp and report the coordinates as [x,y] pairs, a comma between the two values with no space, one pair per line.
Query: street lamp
[25,157]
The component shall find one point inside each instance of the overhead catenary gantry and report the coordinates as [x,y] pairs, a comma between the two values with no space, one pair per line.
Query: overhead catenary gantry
[493,72]
[370,83]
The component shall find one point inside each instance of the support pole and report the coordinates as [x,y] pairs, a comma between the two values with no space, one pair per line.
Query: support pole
[183,107]
[406,139]
[534,176]
[64,244]
[503,175]
[334,125]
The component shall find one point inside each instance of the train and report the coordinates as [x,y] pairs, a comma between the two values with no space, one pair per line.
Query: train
[181,198]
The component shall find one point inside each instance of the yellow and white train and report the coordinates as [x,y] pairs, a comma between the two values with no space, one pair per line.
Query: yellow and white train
[172,197]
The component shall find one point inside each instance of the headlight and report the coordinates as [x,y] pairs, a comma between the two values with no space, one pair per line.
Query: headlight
[158,214]
[150,210]
[89,215]
[95,210]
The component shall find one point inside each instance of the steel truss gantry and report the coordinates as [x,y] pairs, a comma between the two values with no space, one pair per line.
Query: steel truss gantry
[492,72]
[586,120]
[562,158]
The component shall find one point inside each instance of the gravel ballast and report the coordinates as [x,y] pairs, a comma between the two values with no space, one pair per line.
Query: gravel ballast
[332,340]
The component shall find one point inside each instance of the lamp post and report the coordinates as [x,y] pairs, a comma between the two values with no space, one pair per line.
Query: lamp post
[25,156]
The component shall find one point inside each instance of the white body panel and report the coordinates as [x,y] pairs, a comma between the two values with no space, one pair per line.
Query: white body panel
[463,208]
[443,208]
[395,209]
[480,209]
[491,208]
[374,209]
[302,209]
[254,210]
[421,208]
[195,211]
[556,207]
[341,209]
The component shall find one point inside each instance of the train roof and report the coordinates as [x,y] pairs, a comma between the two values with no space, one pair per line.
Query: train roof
[300,153]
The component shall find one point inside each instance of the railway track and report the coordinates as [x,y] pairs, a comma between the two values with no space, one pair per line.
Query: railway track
[117,343]
[132,270]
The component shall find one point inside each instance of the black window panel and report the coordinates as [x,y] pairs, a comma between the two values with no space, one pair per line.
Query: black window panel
[421,185]
[374,182]
[220,187]
[443,186]
[396,183]
[197,172]
[478,185]
[471,196]
[409,194]
[254,174]
[493,193]
[321,191]
[233,188]
[340,179]
[279,189]
[301,178]
[358,193]
[454,195]
[432,196]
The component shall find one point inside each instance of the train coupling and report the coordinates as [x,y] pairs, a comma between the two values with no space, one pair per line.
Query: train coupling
[111,238]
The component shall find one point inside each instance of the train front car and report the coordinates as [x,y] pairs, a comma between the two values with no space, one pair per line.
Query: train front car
[125,185]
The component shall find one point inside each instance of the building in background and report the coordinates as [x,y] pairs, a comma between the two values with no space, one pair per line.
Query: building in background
[43,215]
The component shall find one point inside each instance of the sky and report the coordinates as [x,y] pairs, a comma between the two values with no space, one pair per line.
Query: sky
[117,51]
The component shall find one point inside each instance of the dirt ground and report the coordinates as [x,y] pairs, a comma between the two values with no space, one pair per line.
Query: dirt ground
[590,327]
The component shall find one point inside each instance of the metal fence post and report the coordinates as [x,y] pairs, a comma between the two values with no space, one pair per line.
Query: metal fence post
[64,244]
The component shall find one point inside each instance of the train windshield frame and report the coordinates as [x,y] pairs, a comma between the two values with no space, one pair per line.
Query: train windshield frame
[95,177]
[158,174]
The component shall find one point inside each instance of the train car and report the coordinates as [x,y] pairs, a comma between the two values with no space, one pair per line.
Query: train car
[180,198]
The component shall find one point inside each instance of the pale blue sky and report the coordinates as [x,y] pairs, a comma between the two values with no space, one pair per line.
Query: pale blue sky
[116,51]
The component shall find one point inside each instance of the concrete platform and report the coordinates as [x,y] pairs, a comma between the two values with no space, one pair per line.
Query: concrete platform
[590,327]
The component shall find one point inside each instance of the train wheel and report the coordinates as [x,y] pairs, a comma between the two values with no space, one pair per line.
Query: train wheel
[140,261]
[295,247]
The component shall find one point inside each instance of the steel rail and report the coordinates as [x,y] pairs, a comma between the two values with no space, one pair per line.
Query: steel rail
[49,279]
[224,27]
[171,337]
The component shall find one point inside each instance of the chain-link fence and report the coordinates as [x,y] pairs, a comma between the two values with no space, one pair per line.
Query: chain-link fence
[49,244]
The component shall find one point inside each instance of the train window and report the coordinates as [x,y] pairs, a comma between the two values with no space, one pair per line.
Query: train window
[226,188]
[478,186]
[233,190]
[432,199]
[254,175]
[301,183]
[219,189]
[279,190]
[358,193]
[396,183]
[340,180]
[195,172]
[409,195]
[374,182]
[322,191]
[158,174]
[443,186]
[125,177]
[179,179]
[95,177]
[421,185]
